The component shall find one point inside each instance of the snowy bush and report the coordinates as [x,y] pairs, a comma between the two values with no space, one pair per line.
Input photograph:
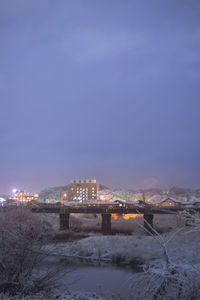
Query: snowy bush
[22,236]
[169,280]
[65,296]
[169,283]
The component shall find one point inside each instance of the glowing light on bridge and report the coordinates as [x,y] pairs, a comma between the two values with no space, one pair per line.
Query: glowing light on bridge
[125,216]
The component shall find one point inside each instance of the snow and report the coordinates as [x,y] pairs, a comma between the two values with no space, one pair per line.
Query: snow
[65,296]
[171,258]
[145,249]
[180,269]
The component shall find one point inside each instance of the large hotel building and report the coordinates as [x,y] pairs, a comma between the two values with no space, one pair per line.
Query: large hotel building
[83,190]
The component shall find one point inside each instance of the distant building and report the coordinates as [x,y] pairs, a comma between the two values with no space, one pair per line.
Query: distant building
[169,202]
[21,196]
[83,190]
[143,203]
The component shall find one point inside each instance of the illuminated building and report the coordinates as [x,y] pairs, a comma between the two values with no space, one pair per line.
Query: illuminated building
[21,196]
[83,190]
[169,203]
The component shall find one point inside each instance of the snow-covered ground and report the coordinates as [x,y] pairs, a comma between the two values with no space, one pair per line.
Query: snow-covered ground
[182,246]
[65,296]
[134,248]
[172,256]
[139,249]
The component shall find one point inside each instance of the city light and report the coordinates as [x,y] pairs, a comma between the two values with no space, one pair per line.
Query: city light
[22,196]
[14,191]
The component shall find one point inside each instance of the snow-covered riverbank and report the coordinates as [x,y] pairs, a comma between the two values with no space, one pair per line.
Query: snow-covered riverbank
[141,249]
[29,245]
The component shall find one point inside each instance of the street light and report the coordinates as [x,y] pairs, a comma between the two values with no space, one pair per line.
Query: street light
[64,196]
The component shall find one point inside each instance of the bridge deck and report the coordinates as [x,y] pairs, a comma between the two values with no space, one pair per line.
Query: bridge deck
[109,209]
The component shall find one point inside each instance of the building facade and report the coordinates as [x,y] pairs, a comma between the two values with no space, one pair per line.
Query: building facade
[169,203]
[83,191]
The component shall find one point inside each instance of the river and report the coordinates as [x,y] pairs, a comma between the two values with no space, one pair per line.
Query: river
[103,280]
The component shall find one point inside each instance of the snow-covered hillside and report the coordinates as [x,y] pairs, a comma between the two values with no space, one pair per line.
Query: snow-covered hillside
[150,195]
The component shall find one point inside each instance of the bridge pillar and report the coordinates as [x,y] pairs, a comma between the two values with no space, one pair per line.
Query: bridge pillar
[106,223]
[148,223]
[64,221]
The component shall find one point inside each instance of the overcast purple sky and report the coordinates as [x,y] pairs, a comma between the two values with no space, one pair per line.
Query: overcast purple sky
[99,89]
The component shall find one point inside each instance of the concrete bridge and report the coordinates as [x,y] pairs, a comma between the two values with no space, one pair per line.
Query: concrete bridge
[106,211]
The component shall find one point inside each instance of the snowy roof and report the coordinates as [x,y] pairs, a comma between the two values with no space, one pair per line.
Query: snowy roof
[2,199]
[172,199]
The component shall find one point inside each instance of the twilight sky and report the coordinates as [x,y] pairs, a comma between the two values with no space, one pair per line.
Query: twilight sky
[99,89]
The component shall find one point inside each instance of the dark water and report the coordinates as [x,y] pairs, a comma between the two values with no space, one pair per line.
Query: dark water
[106,281]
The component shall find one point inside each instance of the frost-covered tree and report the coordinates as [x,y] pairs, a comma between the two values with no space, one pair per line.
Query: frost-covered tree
[22,236]
[169,280]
